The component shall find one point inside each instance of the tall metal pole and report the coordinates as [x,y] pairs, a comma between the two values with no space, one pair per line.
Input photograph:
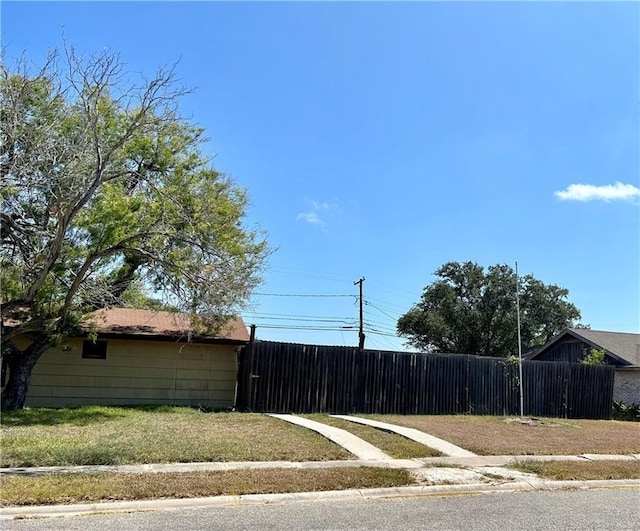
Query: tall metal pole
[519,342]
[361,332]
[249,372]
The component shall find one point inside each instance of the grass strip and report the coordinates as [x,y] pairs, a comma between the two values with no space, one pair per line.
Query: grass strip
[98,435]
[393,444]
[491,435]
[572,470]
[78,488]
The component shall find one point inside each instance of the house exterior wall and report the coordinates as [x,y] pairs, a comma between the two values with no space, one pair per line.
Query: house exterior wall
[136,372]
[626,386]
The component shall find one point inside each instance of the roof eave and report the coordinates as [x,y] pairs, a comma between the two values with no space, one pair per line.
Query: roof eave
[171,338]
[577,335]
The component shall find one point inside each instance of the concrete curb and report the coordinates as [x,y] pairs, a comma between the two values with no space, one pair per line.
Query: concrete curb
[53,511]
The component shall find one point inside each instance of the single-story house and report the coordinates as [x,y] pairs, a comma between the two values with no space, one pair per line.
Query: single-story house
[621,350]
[140,357]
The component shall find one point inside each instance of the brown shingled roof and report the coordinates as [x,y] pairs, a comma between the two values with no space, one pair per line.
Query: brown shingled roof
[132,322]
[623,347]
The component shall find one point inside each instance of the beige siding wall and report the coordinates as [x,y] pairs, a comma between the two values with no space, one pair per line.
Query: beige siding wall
[136,372]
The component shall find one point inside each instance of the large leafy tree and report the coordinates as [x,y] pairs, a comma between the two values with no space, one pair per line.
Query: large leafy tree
[107,199]
[470,310]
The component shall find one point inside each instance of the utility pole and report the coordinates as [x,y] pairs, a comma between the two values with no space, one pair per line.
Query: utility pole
[519,343]
[361,334]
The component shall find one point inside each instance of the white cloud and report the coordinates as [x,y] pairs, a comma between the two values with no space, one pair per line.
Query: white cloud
[312,219]
[590,192]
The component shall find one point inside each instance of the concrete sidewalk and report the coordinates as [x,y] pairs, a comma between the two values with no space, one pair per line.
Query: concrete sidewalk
[420,462]
[207,467]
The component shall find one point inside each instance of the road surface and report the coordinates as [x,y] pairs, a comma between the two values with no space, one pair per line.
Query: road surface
[616,509]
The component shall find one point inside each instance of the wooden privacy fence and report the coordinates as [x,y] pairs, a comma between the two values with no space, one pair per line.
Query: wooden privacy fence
[292,378]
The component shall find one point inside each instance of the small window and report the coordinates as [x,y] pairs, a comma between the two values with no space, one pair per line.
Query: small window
[95,350]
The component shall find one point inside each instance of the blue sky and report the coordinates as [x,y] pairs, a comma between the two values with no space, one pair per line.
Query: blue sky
[380,140]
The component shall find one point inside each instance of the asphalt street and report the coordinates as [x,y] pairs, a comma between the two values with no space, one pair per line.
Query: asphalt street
[611,509]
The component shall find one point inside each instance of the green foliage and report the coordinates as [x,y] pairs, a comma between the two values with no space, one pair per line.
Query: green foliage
[511,360]
[82,416]
[595,357]
[162,434]
[108,200]
[622,411]
[469,310]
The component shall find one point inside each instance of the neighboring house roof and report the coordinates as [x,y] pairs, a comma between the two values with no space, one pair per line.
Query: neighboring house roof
[531,352]
[159,324]
[621,346]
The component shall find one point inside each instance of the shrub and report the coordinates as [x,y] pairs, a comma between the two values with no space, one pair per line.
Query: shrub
[622,411]
[595,357]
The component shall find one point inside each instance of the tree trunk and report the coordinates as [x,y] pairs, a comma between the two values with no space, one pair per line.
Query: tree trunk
[20,364]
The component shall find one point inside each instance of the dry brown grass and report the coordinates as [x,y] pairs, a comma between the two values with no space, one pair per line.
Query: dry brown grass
[570,470]
[392,444]
[114,436]
[507,436]
[77,488]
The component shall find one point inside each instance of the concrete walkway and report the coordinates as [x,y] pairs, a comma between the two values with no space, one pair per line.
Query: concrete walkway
[355,445]
[415,435]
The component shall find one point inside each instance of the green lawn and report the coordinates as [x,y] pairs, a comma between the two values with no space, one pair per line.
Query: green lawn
[96,435]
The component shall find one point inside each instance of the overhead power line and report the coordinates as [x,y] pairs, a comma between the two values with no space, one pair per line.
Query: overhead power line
[302,295]
[313,320]
[380,329]
[376,320]
[321,328]
[392,307]
[379,333]
[309,327]
[259,315]
[369,303]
